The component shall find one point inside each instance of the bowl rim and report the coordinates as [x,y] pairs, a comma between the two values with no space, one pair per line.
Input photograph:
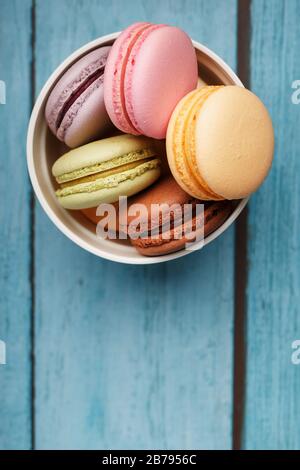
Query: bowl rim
[143,260]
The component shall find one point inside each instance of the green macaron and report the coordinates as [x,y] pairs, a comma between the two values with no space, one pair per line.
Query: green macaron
[102,171]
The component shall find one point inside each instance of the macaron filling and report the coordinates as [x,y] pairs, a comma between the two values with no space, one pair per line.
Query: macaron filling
[172,231]
[167,227]
[116,162]
[110,180]
[105,174]
[71,93]
[162,219]
[183,143]
[189,138]
[77,93]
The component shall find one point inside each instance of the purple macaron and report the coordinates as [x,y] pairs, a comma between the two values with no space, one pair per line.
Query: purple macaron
[75,111]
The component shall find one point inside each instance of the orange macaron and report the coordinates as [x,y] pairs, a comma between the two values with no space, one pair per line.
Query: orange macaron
[220,143]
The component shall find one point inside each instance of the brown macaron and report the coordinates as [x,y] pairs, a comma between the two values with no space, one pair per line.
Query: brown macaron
[168,227]
[105,224]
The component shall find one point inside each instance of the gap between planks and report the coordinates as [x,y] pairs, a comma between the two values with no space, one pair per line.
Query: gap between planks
[241,264]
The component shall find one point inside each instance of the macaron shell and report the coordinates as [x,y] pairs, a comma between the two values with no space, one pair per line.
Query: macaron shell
[70,82]
[98,152]
[110,195]
[194,106]
[234,142]
[131,62]
[114,77]
[87,119]
[176,150]
[165,191]
[91,215]
[214,216]
[161,69]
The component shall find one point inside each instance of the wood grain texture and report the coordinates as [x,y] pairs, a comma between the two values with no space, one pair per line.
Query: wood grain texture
[131,357]
[273,382]
[15,292]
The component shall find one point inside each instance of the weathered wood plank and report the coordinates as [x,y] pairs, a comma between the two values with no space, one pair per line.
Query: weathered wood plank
[273,382]
[131,357]
[15,291]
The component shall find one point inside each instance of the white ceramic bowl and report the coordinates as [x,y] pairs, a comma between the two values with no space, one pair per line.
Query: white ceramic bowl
[43,149]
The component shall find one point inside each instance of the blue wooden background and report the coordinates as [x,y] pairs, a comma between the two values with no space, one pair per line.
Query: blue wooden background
[102,355]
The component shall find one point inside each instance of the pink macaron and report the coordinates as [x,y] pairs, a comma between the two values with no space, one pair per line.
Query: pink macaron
[75,111]
[149,69]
